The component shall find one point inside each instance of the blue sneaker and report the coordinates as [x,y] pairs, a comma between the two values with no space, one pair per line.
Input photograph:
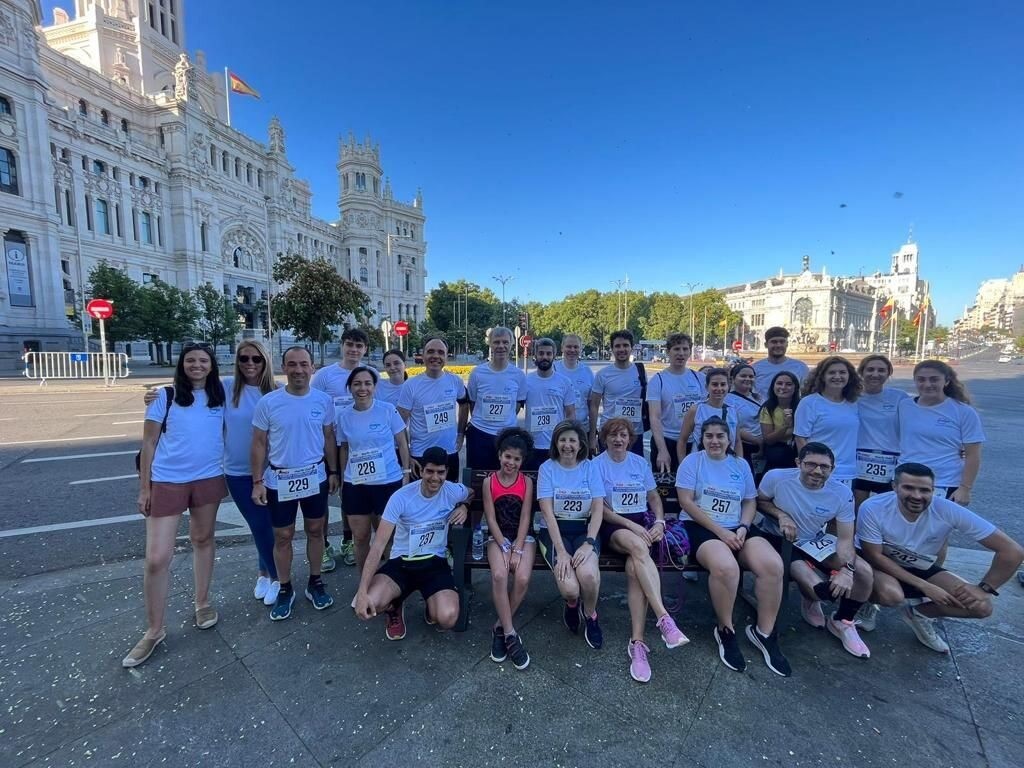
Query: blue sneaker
[283,607]
[592,632]
[317,595]
[571,617]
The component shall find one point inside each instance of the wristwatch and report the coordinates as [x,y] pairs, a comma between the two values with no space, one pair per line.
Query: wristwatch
[984,587]
[590,540]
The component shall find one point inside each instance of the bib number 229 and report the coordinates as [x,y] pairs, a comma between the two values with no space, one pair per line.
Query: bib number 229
[298,485]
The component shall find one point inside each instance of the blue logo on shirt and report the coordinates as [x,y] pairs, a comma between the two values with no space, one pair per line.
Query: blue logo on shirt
[316,413]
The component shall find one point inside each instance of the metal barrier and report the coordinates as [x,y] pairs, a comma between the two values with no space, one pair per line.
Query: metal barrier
[42,366]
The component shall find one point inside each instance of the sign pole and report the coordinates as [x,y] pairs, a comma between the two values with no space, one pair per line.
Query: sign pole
[103,350]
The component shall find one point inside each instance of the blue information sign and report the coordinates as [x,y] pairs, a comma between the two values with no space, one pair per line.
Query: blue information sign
[79,357]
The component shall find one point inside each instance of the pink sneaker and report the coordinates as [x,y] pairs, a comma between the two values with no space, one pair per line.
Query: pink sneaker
[639,669]
[812,613]
[846,631]
[670,632]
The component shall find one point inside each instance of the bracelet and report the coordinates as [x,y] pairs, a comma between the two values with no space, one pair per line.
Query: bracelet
[744,526]
[506,547]
[985,587]
[258,482]
[851,567]
[406,471]
[657,522]
[517,551]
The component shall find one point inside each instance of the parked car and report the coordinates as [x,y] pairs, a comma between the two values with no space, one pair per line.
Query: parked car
[1005,359]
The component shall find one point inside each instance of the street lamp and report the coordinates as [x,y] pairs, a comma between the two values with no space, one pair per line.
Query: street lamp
[690,287]
[503,279]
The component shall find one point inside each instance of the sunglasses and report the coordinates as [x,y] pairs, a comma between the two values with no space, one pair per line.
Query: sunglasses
[253,359]
[196,345]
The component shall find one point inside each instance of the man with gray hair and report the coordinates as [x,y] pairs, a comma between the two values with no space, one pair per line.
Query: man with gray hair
[549,399]
[497,391]
[579,374]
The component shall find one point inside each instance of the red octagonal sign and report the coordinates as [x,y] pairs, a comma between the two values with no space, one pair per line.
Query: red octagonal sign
[401,328]
[101,309]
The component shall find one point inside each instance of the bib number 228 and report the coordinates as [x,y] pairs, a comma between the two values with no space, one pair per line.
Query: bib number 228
[366,469]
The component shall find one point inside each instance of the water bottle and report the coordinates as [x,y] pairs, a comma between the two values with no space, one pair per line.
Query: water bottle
[478,542]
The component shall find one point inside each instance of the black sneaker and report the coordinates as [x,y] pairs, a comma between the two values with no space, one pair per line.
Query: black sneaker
[571,617]
[514,645]
[769,648]
[592,632]
[317,595]
[729,650]
[498,652]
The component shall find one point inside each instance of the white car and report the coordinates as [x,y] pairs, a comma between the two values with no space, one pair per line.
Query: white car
[1004,358]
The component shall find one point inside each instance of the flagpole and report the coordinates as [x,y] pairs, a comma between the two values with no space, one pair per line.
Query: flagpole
[924,318]
[227,94]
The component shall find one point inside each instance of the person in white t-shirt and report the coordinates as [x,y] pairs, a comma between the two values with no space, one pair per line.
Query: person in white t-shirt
[714,405]
[717,496]
[390,389]
[903,534]
[776,343]
[827,414]
[497,391]
[618,391]
[671,394]
[181,467]
[940,429]
[579,373]
[419,515]
[746,404]
[550,399]
[797,505]
[878,438]
[292,440]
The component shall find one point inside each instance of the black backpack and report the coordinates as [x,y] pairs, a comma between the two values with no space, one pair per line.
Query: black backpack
[645,411]
[169,392]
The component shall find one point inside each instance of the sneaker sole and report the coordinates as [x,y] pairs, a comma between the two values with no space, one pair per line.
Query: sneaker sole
[922,640]
[309,597]
[498,661]
[132,663]
[595,647]
[639,680]
[524,665]
[838,636]
[721,655]
[752,637]
[681,643]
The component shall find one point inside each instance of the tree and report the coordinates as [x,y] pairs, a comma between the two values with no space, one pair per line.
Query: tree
[463,311]
[168,314]
[108,282]
[217,322]
[906,337]
[1019,344]
[316,299]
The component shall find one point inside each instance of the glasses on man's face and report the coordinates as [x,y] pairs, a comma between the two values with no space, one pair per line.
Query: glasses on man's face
[257,359]
[813,465]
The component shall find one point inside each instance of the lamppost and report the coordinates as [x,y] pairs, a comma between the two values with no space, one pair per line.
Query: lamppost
[690,288]
[503,279]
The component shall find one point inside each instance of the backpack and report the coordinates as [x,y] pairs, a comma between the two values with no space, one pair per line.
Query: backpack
[674,547]
[645,411]
[169,393]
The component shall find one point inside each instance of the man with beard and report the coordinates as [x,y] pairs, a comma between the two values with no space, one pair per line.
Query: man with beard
[550,398]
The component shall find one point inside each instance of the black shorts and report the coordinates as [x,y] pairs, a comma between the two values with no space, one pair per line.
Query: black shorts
[282,513]
[910,592]
[607,529]
[367,499]
[870,486]
[481,450]
[698,534]
[573,533]
[453,467]
[428,576]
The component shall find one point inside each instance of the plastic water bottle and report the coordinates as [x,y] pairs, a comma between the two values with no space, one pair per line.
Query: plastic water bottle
[478,542]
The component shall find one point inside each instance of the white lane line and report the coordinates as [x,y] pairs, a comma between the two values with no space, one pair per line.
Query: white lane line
[54,402]
[102,479]
[137,421]
[63,439]
[77,456]
[116,413]
[68,526]
[11,419]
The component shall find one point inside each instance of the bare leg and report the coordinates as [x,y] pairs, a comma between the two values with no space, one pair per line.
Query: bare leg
[760,557]
[499,587]
[160,535]
[361,527]
[723,579]
[200,530]
[283,552]
[636,601]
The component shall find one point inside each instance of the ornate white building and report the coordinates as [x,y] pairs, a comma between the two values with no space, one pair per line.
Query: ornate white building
[115,145]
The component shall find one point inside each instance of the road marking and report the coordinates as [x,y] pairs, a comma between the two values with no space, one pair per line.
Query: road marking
[102,479]
[77,456]
[117,413]
[69,526]
[63,440]
[137,421]
[56,402]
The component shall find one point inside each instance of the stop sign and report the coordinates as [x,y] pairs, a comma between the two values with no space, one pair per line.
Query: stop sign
[737,345]
[401,328]
[832,346]
[525,341]
[101,309]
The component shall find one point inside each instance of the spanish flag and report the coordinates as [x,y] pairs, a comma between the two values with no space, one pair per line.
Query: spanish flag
[922,310]
[238,85]
[887,309]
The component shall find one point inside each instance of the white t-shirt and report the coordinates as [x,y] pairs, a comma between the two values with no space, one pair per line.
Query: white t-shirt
[192,448]
[748,412]
[619,389]
[879,420]
[810,509]
[333,380]
[820,420]
[916,544]
[582,379]
[720,486]
[421,523]
[765,370]
[238,427]
[370,435]
[433,411]
[933,435]
[387,391]
[704,411]
[677,393]
[546,399]
[571,491]
[626,483]
[494,395]
[295,430]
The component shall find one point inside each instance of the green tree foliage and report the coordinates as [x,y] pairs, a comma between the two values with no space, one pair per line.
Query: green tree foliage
[1019,344]
[107,282]
[168,313]
[217,321]
[463,311]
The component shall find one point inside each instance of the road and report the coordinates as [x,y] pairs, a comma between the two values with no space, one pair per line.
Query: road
[67,473]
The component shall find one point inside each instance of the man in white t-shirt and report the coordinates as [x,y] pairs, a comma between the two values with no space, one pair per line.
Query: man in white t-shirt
[776,343]
[497,391]
[797,504]
[550,398]
[670,394]
[419,515]
[293,427]
[619,391]
[904,532]
[579,374]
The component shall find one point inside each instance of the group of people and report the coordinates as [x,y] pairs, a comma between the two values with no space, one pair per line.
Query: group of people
[865,482]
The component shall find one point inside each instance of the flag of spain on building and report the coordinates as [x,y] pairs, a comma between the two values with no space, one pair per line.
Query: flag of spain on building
[238,85]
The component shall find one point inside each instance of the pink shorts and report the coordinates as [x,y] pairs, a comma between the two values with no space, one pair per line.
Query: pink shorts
[167,499]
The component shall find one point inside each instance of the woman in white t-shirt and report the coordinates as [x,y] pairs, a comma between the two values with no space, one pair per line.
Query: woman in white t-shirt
[941,430]
[827,414]
[747,404]
[394,366]
[714,406]
[367,434]
[878,437]
[718,500]
[181,467]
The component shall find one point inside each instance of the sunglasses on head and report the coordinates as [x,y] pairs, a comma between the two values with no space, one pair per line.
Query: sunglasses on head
[250,359]
[196,345]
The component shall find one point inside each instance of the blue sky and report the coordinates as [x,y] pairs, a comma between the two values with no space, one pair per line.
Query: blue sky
[571,143]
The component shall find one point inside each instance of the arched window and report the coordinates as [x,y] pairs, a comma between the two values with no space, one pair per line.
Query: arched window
[124,127]
[415,312]
[803,312]
[380,308]
[83,108]
[5,106]
[104,117]
[364,275]
[213,155]
[8,172]
[259,178]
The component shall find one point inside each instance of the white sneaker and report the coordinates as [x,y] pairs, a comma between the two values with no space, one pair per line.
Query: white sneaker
[924,628]
[272,590]
[262,585]
[867,617]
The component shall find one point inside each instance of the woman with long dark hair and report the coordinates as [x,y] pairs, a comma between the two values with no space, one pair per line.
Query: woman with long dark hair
[776,417]
[390,388]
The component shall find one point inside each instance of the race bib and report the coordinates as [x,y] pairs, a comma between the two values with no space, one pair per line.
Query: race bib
[628,408]
[876,466]
[495,409]
[343,401]
[628,498]
[426,539]
[543,418]
[572,504]
[367,466]
[297,483]
[681,404]
[439,416]
[722,505]
[908,558]
[821,546]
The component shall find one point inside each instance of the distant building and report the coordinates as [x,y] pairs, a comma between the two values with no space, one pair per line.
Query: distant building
[998,305]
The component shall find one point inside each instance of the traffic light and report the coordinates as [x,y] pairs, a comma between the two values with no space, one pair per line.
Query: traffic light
[524,320]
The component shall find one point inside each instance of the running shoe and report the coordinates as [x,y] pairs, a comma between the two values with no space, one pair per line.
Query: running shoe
[395,627]
[272,592]
[262,585]
[846,631]
[769,648]
[867,617]
[729,650]
[924,628]
[317,595]
[498,651]
[283,607]
[142,651]
[327,562]
[812,613]
[592,631]
[348,552]
[670,634]
[517,652]
[639,668]
[571,617]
